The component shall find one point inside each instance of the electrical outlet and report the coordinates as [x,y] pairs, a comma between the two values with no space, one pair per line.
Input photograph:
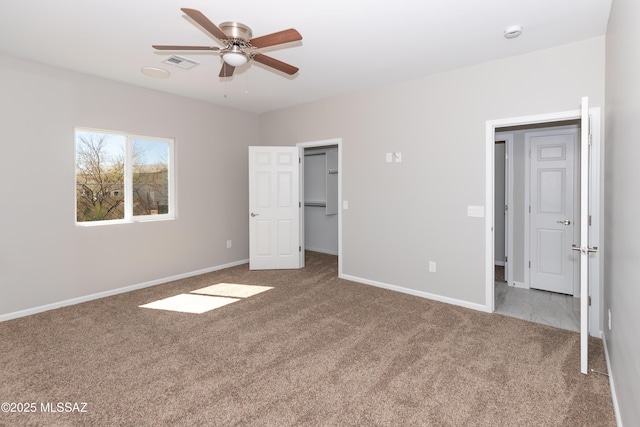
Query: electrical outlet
[432,267]
[228,244]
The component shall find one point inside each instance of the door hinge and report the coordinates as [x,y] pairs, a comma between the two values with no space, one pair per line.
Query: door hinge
[529,264]
[589,300]
[589,220]
[299,204]
[299,159]
[506,259]
[529,208]
[590,139]
[299,248]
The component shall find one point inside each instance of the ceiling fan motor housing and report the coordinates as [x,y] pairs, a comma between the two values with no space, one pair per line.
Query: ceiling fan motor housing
[236,30]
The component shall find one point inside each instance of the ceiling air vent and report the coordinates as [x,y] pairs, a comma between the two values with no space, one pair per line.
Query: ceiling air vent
[181,62]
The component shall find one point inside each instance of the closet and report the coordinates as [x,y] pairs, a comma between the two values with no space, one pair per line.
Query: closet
[321,199]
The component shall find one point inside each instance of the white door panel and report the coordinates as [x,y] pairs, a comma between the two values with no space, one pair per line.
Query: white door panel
[553,263]
[274,220]
[584,236]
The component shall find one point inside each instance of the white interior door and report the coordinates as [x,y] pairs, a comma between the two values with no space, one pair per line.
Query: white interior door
[553,263]
[274,208]
[584,248]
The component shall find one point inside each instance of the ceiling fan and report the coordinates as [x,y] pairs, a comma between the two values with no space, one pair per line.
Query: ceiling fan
[239,48]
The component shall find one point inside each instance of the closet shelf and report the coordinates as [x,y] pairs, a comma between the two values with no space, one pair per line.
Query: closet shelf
[316,203]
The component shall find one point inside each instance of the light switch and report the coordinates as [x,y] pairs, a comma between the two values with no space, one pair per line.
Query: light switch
[345,205]
[398,157]
[389,157]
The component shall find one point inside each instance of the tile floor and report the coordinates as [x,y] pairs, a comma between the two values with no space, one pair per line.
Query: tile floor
[548,308]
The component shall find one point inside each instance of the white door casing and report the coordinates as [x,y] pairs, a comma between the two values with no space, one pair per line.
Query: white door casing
[553,263]
[507,205]
[508,138]
[274,208]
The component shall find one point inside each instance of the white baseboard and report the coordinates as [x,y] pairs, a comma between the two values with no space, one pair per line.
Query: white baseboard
[518,285]
[427,295]
[614,396]
[72,301]
[322,251]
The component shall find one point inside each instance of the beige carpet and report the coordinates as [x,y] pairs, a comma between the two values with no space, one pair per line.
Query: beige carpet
[314,350]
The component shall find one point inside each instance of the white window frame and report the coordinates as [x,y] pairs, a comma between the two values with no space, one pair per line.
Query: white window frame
[128,181]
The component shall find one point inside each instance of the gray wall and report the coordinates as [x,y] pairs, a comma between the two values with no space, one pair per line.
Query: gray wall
[622,204]
[403,215]
[44,257]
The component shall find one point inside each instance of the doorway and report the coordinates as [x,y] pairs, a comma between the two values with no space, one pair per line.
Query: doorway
[501,130]
[321,198]
[535,175]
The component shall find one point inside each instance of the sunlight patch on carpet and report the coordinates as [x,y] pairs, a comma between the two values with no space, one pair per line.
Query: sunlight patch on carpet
[189,303]
[232,290]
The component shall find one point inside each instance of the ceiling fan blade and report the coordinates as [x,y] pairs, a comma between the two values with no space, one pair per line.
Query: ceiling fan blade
[171,47]
[274,63]
[226,70]
[273,39]
[205,23]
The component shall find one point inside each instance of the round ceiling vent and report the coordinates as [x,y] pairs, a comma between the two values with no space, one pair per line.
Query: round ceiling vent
[513,31]
[158,73]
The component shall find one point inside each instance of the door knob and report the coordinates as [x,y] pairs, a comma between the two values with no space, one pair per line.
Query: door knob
[584,250]
[254,214]
[565,222]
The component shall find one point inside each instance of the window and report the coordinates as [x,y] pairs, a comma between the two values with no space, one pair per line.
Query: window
[122,178]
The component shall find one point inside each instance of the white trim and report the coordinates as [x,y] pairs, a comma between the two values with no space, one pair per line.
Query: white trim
[73,301]
[612,386]
[321,143]
[595,283]
[519,285]
[526,252]
[489,271]
[414,292]
[508,139]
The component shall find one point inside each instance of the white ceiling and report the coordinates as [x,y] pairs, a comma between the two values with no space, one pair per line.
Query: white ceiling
[348,45]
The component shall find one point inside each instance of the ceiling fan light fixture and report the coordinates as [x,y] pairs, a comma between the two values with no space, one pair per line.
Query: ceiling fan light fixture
[235,57]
